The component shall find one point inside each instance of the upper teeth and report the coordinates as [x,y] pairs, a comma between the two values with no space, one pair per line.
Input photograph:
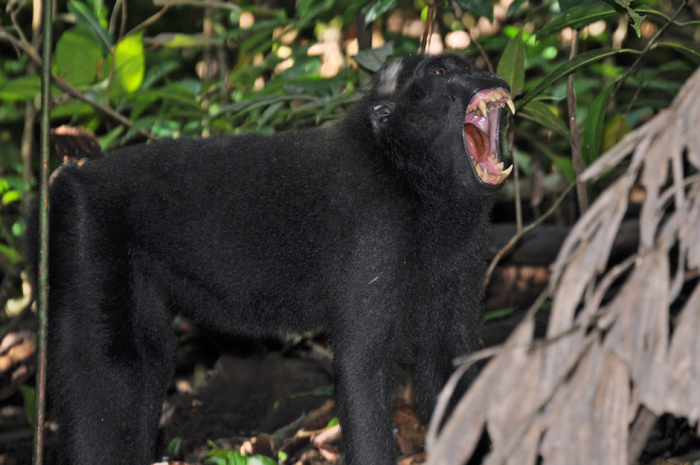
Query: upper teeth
[497,99]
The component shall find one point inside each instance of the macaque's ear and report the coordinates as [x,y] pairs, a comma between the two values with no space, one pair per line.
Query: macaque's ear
[380,116]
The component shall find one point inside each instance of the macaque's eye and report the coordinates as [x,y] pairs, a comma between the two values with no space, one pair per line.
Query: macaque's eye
[466,67]
[441,71]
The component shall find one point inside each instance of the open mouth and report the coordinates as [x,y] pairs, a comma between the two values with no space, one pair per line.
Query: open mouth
[481,127]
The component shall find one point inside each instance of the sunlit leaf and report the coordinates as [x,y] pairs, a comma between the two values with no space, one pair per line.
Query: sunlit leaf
[578,17]
[511,67]
[129,66]
[10,197]
[77,56]
[593,125]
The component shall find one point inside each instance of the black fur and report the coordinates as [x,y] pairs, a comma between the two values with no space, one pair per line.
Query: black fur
[374,229]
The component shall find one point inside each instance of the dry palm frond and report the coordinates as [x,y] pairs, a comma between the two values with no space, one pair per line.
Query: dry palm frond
[572,398]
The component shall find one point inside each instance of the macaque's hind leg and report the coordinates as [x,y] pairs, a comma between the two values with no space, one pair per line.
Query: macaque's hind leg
[111,354]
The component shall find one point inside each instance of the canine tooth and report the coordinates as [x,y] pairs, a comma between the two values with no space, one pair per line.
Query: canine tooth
[482,107]
[507,171]
[509,102]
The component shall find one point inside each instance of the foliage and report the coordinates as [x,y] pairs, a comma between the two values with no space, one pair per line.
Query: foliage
[223,456]
[266,70]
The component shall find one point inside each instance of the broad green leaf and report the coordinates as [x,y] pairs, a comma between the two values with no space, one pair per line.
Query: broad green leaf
[545,115]
[566,68]
[593,125]
[637,19]
[77,56]
[373,59]
[72,108]
[377,8]
[21,89]
[511,67]
[578,17]
[129,66]
[90,22]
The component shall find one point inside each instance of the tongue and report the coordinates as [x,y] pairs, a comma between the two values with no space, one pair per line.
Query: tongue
[477,142]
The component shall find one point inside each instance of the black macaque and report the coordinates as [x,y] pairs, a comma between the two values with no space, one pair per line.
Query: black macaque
[375,229]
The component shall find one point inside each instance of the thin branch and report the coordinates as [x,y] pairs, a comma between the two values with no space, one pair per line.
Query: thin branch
[70,90]
[113,18]
[199,4]
[513,240]
[576,158]
[646,50]
[148,21]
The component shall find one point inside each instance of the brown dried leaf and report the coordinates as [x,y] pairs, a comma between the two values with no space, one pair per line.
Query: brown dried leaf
[462,430]
[640,333]
[682,397]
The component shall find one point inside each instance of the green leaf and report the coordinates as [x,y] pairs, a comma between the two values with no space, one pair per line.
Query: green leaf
[566,68]
[637,19]
[478,8]
[495,314]
[578,17]
[690,51]
[77,56]
[129,66]
[334,421]
[546,116]
[614,131]
[593,125]
[565,5]
[87,19]
[174,446]
[29,396]
[377,8]
[10,254]
[21,89]
[10,197]
[72,108]
[513,8]
[260,460]
[176,40]
[511,67]
[373,59]
[352,9]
